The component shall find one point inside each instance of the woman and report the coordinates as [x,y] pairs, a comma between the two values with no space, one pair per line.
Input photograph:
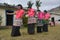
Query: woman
[17,20]
[31,20]
[46,21]
[40,16]
[53,21]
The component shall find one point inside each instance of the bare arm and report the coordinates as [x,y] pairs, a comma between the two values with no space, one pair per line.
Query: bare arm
[11,13]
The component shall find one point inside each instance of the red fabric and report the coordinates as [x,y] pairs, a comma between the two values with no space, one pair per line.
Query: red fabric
[47,16]
[40,15]
[19,13]
[31,12]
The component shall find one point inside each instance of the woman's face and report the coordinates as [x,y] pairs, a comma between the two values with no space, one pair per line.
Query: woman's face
[18,7]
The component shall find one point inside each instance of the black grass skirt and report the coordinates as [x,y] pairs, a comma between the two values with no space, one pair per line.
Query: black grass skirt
[39,29]
[31,28]
[15,31]
[45,27]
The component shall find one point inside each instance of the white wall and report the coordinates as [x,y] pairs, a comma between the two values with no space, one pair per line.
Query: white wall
[2,13]
[56,18]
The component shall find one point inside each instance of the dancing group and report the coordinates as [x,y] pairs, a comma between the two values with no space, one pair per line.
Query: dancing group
[41,21]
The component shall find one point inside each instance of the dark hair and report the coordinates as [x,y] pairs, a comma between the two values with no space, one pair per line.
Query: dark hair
[29,7]
[45,11]
[38,10]
[20,6]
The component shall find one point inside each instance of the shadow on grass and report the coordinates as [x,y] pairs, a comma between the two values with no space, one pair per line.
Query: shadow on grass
[3,27]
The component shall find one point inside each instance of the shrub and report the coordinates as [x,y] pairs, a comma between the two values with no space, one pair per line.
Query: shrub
[25,19]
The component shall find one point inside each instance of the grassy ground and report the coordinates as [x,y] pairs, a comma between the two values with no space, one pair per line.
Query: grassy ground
[53,34]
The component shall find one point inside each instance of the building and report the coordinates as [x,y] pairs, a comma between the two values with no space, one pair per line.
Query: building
[7,19]
[55,12]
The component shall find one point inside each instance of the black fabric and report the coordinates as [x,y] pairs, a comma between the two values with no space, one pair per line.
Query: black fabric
[39,29]
[15,31]
[45,27]
[53,20]
[31,28]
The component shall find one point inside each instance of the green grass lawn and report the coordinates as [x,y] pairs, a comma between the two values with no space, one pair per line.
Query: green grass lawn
[53,34]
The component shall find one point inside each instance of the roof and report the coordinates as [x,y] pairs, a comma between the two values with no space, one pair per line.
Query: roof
[7,5]
[10,6]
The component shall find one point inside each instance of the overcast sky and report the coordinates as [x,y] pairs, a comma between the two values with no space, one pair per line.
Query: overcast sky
[46,4]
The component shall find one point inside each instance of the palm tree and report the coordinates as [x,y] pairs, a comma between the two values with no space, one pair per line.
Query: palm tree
[38,4]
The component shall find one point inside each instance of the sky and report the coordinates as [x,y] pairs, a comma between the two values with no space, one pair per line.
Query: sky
[46,4]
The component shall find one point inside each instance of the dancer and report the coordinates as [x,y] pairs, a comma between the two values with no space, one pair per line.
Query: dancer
[46,21]
[31,20]
[17,21]
[40,21]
